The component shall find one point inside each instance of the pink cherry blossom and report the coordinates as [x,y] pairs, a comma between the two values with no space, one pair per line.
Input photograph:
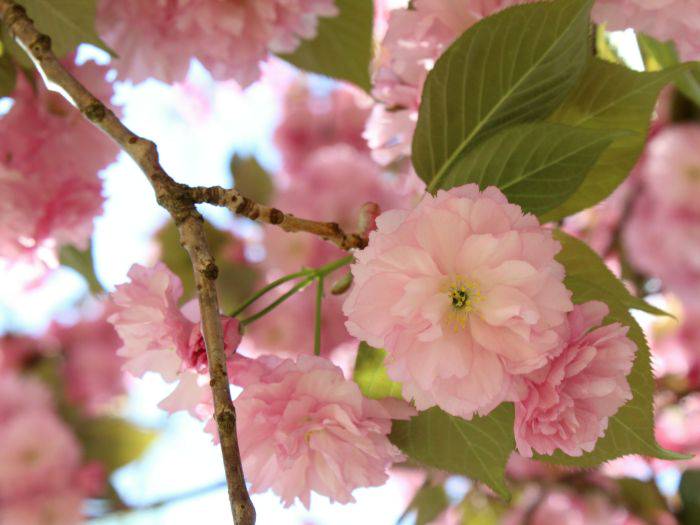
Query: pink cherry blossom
[149,322]
[304,427]
[671,167]
[159,38]
[675,20]
[566,404]
[662,242]
[194,354]
[32,463]
[310,122]
[464,294]
[37,150]
[675,346]
[678,427]
[92,368]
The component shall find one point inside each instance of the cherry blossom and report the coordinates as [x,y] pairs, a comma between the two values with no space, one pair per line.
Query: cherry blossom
[36,151]
[304,427]
[451,289]
[566,404]
[159,38]
[157,335]
[309,122]
[90,345]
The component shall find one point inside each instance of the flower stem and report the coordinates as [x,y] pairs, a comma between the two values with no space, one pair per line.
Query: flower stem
[310,275]
[317,322]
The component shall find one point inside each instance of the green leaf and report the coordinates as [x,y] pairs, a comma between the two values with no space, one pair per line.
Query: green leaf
[112,441]
[69,23]
[8,76]
[371,375]
[516,66]
[251,179]
[690,497]
[81,261]
[428,503]
[478,449]
[236,280]
[537,165]
[631,430]
[661,55]
[342,48]
[610,96]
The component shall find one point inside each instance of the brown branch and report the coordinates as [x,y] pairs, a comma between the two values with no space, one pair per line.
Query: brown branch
[240,205]
[176,199]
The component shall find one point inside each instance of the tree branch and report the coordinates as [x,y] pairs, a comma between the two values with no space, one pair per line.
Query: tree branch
[176,199]
[238,204]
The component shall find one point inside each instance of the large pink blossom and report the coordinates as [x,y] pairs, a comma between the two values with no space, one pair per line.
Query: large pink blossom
[157,335]
[149,322]
[566,404]
[675,20]
[49,159]
[304,427]
[464,294]
[159,38]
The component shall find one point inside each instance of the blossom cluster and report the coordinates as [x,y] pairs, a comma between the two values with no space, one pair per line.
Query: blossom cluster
[49,479]
[465,295]
[56,194]
[159,39]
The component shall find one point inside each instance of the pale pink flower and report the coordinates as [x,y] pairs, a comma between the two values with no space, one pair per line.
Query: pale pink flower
[567,403]
[310,122]
[149,322]
[194,354]
[671,167]
[159,38]
[675,20]
[304,427]
[46,143]
[157,334]
[464,294]
[675,347]
[91,367]
[678,427]
[662,243]
[37,453]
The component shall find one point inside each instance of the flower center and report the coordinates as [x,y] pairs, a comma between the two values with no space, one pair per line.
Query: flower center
[460,297]
[693,173]
[464,295]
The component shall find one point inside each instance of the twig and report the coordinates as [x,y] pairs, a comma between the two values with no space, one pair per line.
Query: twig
[176,199]
[241,205]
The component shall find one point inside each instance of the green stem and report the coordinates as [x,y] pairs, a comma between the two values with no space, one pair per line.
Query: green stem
[317,323]
[274,284]
[310,274]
